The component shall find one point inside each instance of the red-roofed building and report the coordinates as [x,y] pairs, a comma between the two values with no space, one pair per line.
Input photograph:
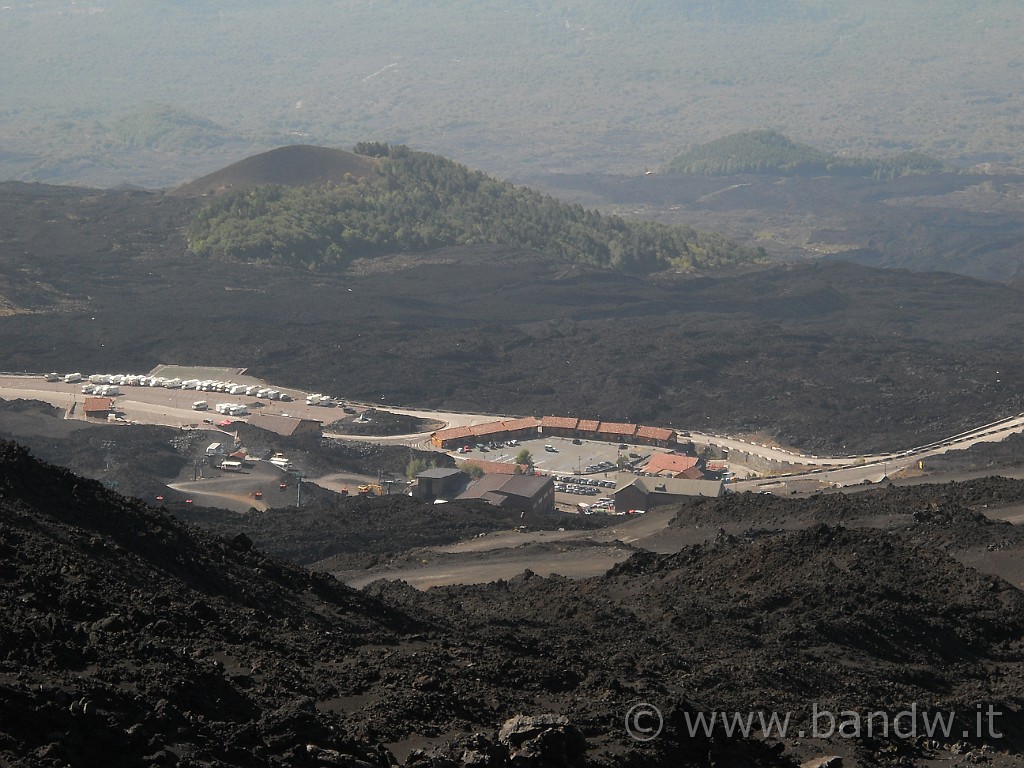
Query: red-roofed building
[456,437]
[670,465]
[559,426]
[520,428]
[655,436]
[552,426]
[97,407]
[693,473]
[611,432]
[451,438]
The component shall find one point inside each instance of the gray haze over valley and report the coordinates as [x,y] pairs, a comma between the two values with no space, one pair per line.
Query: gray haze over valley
[104,91]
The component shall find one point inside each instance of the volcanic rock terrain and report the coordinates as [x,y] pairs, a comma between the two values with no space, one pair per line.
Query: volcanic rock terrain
[130,638]
[829,357]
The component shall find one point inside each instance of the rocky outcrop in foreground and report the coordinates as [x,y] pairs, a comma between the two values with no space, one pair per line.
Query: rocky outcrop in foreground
[132,639]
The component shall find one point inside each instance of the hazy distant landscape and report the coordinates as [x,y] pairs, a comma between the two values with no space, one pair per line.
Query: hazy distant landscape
[573,99]
[969,223]
[100,93]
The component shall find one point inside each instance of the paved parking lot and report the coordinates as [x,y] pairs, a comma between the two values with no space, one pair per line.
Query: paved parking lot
[568,463]
[566,459]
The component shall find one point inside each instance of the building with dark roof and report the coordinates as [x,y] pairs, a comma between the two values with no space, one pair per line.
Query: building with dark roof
[288,426]
[439,483]
[635,492]
[527,493]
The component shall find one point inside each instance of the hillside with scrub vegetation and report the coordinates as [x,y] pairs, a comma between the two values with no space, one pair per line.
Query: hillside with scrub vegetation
[415,202]
[767,151]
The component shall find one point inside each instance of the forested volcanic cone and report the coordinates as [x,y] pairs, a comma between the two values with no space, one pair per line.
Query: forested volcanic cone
[293,165]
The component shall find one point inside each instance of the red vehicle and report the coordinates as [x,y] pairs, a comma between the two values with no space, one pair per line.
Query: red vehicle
[258,494]
[282,486]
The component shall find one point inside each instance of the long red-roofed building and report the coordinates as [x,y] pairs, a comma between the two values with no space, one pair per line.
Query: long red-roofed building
[655,436]
[611,431]
[455,437]
[555,426]
[559,426]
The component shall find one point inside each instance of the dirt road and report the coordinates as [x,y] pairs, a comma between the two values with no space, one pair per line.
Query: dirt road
[505,554]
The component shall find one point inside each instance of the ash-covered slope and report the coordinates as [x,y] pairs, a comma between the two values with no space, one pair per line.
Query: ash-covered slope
[132,639]
[946,516]
[129,638]
[830,618]
[293,165]
[834,616]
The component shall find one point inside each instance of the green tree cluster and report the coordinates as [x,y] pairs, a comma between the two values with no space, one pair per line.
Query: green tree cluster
[419,202]
[168,129]
[771,152]
[416,466]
